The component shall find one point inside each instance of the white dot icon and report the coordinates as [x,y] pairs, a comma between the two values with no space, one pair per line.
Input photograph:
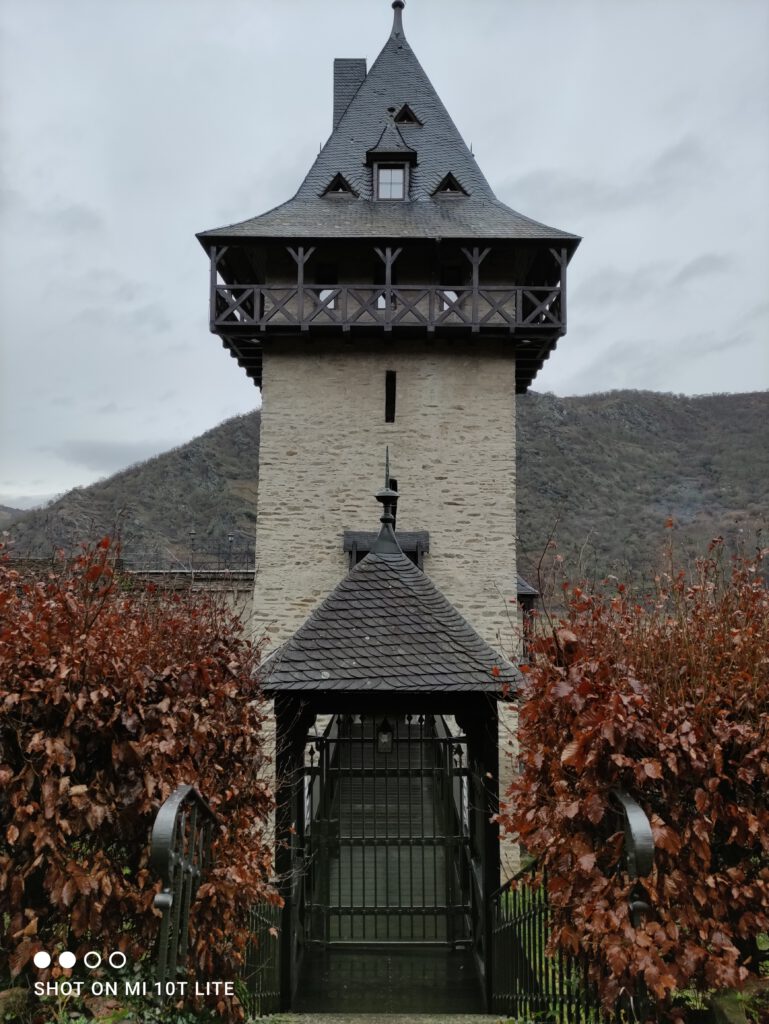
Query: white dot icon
[118,959]
[92,959]
[42,959]
[67,959]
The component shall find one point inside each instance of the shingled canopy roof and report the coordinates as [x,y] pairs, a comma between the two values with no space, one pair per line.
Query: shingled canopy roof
[386,627]
[396,80]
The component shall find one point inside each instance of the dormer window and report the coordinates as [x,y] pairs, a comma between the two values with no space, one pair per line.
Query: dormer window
[407,116]
[340,186]
[450,187]
[390,181]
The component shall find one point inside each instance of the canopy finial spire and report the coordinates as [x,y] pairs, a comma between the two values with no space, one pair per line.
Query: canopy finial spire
[386,542]
[398,6]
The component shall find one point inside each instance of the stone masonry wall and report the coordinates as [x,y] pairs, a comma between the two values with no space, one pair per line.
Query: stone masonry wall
[452,451]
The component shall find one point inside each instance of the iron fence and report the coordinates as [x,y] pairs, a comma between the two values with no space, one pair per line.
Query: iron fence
[260,977]
[180,853]
[529,983]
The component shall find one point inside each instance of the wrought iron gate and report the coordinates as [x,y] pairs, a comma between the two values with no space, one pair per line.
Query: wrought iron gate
[388,835]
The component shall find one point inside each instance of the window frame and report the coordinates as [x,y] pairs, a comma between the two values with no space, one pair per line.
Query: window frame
[391,166]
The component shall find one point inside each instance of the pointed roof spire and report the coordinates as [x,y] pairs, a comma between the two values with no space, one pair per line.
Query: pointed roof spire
[395,79]
[398,6]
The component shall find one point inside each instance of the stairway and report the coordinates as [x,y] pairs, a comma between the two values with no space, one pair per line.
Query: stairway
[391,854]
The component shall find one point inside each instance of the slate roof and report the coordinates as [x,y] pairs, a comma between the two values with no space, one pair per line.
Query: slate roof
[525,589]
[396,78]
[386,627]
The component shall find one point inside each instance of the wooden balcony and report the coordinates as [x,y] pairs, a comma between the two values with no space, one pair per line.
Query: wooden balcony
[250,310]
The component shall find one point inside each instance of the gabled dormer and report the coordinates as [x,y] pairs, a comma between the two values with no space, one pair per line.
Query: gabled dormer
[450,187]
[407,116]
[390,160]
[339,186]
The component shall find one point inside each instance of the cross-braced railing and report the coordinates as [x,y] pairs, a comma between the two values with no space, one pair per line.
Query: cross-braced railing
[254,307]
[180,854]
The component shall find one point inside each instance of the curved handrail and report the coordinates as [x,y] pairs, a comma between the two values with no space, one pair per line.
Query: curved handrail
[163,859]
[180,854]
[639,843]
[639,839]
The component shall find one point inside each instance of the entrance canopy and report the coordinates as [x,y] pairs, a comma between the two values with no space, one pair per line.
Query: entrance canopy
[387,628]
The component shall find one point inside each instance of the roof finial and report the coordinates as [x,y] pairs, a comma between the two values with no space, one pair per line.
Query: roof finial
[386,542]
[398,6]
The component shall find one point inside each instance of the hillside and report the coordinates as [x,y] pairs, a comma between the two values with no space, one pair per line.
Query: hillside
[609,469]
[612,468]
[9,515]
[208,485]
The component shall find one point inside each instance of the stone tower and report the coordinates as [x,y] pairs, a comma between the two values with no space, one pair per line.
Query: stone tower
[393,304]
[393,301]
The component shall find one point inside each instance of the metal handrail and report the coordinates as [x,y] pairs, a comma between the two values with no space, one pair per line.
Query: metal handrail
[639,843]
[180,853]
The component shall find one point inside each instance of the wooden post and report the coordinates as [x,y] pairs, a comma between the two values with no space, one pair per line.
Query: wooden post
[300,256]
[564,264]
[476,257]
[216,255]
[388,257]
[562,259]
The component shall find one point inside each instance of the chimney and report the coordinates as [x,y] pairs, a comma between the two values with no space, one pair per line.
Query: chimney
[349,73]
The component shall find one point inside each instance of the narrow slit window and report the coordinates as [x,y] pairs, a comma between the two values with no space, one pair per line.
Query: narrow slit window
[389,396]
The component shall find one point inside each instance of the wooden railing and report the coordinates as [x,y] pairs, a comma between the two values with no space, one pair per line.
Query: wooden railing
[251,309]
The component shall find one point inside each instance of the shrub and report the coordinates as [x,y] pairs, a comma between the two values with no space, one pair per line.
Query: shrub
[666,697]
[111,695]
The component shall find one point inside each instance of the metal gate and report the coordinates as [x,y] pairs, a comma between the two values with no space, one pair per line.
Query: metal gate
[388,843]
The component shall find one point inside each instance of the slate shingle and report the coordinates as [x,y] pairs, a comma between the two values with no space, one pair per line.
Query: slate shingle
[387,627]
[396,78]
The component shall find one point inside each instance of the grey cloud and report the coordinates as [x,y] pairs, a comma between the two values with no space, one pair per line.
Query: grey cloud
[149,317]
[758,312]
[610,286]
[108,456]
[676,164]
[703,266]
[60,218]
[670,173]
[708,342]
[113,408]
[74,219]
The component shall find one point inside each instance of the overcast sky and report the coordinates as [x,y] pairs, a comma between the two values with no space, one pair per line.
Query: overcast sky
[125,127]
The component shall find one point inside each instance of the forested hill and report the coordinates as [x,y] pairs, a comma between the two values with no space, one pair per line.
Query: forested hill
[610,469]
[606,471]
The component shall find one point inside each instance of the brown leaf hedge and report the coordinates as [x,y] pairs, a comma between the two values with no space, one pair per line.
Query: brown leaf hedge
[667,697]
[111,695]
